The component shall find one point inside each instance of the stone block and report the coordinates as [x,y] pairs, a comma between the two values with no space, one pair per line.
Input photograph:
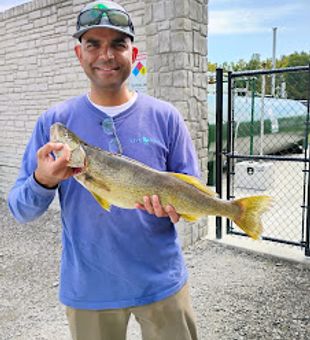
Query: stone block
[188,41]
[62,46]
[64,11]
[138,21]
[49,49]
[183,24]
[158,11]
[175,93]
[163,25]
[34,15]
[52,19]
[182,8]
[169,10]
[153,45]
[182,106]
[180,78]
[178,42]
[181,60]
[200,43]
[164,41]
[196,11]
[165,79]
[78,2]
[148,16]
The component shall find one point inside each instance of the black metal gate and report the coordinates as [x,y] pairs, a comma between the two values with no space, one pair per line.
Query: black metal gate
[262,147]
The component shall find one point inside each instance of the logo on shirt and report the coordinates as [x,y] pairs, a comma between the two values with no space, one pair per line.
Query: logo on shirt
[143,140]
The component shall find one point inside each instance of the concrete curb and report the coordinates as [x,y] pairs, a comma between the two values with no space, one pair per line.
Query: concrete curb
[264,248]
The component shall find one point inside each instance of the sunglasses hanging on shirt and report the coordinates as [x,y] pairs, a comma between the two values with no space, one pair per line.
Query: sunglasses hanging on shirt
[114,142]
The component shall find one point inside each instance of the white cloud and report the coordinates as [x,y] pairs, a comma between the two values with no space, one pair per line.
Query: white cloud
[248,20]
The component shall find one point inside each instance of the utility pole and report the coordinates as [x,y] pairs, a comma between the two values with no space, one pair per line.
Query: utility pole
[273,79]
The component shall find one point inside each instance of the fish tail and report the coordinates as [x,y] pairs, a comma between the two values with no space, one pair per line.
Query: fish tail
[249,218]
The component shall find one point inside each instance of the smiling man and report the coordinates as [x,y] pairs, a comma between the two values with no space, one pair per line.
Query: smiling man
[123,262]
[106,57]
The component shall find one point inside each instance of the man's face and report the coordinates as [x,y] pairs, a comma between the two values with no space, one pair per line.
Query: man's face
[106,57]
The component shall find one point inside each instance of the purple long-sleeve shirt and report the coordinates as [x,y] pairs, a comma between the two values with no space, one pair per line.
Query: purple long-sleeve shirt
[124,257]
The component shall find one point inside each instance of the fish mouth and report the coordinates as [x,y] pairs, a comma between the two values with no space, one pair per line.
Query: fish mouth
[78,158]
[54,133]
[78,170]
[60,134]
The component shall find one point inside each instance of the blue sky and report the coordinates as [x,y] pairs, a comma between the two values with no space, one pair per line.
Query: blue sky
[239,28]
[6,4]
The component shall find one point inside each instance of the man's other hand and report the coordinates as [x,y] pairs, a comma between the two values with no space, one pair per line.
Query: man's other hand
[153,206]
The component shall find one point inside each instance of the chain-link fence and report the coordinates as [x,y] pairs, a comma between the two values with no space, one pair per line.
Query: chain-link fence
[265,143]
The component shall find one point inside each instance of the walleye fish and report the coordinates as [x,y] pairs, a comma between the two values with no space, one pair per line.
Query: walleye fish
[117,180]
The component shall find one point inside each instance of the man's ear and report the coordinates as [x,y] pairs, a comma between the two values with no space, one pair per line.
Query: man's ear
[135,52]
[77,50]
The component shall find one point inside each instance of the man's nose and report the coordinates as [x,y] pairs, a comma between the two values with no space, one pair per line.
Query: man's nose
[106,53]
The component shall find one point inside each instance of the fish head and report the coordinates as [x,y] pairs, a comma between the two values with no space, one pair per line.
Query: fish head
[60,134]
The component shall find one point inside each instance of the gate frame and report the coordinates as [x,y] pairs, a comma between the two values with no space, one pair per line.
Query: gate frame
[229,153]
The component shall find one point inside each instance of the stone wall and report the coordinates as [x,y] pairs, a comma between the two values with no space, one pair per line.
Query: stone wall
[38,68]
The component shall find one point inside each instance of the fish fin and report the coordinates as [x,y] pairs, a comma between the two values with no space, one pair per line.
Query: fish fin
[251,209]
[96,181]
[195,182]
[103,202]
[189,218]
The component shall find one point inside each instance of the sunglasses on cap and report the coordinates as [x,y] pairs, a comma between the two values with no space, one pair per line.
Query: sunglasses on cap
[94,16]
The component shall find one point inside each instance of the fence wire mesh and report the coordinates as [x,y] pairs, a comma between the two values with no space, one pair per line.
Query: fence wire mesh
[267,148]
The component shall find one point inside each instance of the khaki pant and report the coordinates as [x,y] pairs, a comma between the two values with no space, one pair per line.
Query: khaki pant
[169,319]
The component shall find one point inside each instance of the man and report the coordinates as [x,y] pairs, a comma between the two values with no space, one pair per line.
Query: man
[122,262]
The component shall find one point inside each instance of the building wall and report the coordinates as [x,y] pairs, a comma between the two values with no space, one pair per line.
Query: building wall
[38,69]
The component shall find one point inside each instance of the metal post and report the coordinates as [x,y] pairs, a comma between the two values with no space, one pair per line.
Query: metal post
[307,241]
[230,138]
[252,117]
[307,245]
[273,79]
[262,116]
[219,144]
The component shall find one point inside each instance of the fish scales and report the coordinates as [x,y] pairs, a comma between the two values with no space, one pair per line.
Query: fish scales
[137,181]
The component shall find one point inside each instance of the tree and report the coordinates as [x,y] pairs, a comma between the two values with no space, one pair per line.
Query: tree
[212,67]
[297,84]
